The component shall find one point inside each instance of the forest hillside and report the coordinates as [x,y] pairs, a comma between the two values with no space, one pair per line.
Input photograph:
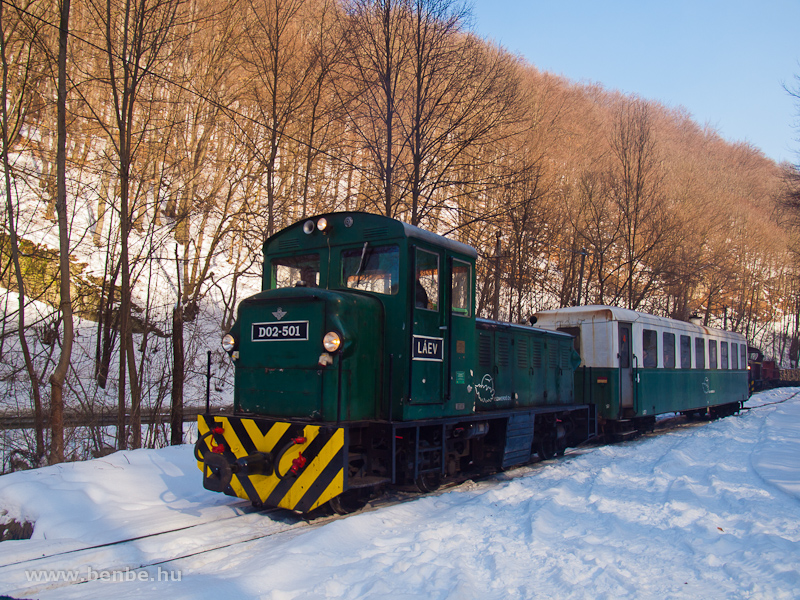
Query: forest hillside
[191,131]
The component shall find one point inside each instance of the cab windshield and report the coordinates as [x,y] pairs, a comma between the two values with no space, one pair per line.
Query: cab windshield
[295,271]
[372,268]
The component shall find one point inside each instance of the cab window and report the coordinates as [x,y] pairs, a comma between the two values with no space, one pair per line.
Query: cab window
[372,268]
[461,287]
[295,271]
[426,292]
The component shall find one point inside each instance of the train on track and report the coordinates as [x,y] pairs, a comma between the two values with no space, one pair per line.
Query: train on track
[362,364]
[765,374]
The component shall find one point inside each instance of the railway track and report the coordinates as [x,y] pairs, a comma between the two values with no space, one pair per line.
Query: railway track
[73,566]
[141,554]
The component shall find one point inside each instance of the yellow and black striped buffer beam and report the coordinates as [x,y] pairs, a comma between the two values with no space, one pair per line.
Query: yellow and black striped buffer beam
[323,452]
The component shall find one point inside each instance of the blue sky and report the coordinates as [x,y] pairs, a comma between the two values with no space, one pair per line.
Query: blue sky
[725,62]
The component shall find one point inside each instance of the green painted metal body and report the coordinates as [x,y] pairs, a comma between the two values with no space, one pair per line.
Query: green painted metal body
[658,391]
[373,376]
[520,367]
[600,387]
[284,378]
[615,345]
[674,390]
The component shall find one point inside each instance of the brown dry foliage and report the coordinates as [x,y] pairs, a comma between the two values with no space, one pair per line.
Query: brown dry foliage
[259,112]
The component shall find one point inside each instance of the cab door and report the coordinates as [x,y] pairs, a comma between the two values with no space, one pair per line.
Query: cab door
[429,339]
[461,337]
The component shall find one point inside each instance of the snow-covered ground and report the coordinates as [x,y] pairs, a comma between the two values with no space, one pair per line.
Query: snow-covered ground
[707,511]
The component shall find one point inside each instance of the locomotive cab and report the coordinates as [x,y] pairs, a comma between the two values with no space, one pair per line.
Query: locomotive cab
[360,318]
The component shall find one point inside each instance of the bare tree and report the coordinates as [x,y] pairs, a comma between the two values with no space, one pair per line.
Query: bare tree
[636,186]
[462,96]
[600,231]
[371,87]
[17,49]
[321,111]
[279,83]
[65,305]
[135,35]
[424,99]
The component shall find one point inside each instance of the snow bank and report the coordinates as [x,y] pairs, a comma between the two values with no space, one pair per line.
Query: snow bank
[123,495]
[710,510]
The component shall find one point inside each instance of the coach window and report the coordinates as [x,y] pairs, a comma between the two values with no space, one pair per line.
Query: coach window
[295,271]
[686,352]
[372,268]
[723,355]
[427,283]
[461,287]
[624,347]
[699,353]
[743,356]
[650,347]
[712,354]
[734,356]
[575,332]
[669,350]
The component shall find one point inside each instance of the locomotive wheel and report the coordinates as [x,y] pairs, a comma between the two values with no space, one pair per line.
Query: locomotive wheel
[546,448]
[428,482]
[347,502]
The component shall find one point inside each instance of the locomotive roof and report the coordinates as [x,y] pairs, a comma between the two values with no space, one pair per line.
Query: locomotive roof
[573,315]
[367,226]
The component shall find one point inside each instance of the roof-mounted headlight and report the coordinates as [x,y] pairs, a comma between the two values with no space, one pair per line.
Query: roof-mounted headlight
[322,224]
[308,227]
[332,342]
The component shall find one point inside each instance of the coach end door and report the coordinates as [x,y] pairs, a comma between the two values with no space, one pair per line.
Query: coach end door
[626,366]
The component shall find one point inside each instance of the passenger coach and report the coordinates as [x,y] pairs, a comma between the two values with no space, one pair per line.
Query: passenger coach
[635,366]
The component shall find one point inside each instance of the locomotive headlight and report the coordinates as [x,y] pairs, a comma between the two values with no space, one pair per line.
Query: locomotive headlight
[228,343]
[322,224]
[308,227]
[332,341]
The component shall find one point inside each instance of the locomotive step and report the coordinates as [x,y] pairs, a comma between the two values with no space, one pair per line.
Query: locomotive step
[624,436]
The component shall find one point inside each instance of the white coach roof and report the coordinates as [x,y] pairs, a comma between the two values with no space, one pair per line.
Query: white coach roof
[573,316]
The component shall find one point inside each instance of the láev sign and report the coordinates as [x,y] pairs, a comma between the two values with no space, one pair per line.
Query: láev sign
[427,348]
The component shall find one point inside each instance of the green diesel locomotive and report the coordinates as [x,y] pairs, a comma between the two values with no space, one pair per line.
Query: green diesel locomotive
[362,364]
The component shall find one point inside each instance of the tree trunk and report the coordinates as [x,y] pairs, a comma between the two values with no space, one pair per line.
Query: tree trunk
[176,414]
[497,279]
[38,415]
[59,375]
